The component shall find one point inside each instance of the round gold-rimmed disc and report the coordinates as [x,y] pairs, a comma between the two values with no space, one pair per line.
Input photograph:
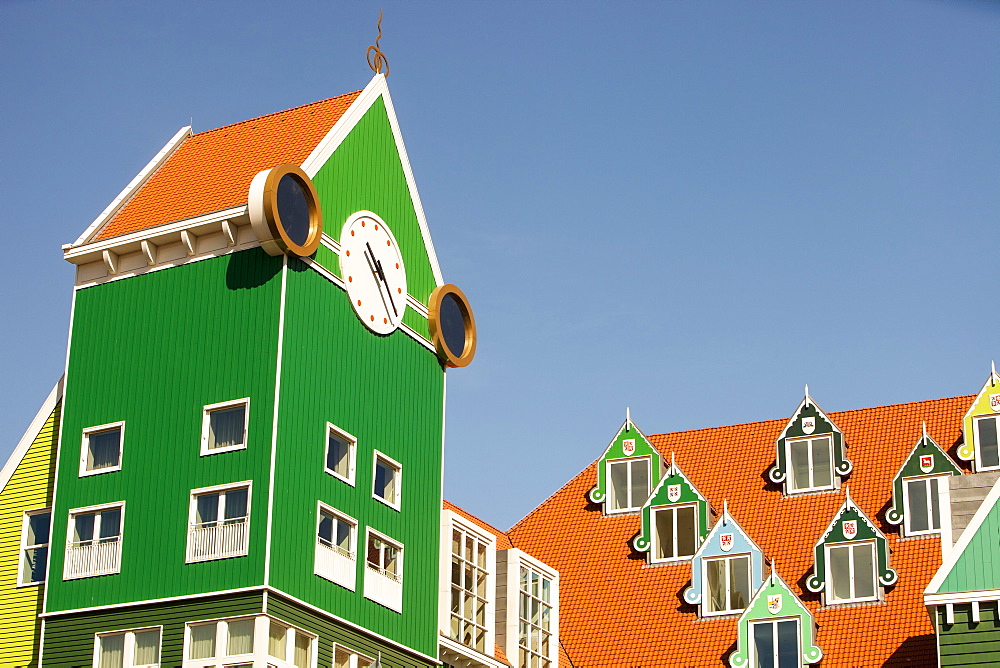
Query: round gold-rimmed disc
[452,326]
[285,212]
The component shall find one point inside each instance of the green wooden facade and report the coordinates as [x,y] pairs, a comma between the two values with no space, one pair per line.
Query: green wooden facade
[965,642]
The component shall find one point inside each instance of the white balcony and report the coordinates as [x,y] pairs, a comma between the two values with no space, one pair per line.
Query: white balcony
[217,540]
[336,564]
[87,558]
[384,587]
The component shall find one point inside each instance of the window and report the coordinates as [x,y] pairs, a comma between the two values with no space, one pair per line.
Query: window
[776,644]
[629,484]
[535,644]
[676,532]
[102,449]
[225,639]
[468,589]
[811,463]
[34,546]
[851,572]
[224,427]
[384,571]
[340,453]
[986,442]
[246,642]
[336,547]
[347,658]
[219,523]
[95,544]
[923,506]
[387,480]
[128,649]
[292,647]
[727,582]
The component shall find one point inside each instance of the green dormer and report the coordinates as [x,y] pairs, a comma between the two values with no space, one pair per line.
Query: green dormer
[674,519]
[810,454]
[916,489]
[627,470]
[852,558]
[981,425]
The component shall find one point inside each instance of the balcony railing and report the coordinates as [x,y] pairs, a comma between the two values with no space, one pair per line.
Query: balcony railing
[93,557]
[217,540]
[336,564]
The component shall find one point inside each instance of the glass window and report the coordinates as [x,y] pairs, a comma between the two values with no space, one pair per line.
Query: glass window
[536,645]
[387,479]
[202,644]
[336,532]
[277,639]
[219,524]
[986,442]
[303,651]
[629,483]
[102,449]
[676,533]
[240,637]
[129,649]
[342,658]
[810,462]
[34,546]
[223,639]
[94,547]
[923,506]
[851,572]
[340,453]
[224,427]
[728,584]
[383,557]
[468,589]
[776,644]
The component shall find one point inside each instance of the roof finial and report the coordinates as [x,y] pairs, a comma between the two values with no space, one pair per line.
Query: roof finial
[993,371]
[774,569]
[807,394]
[725,511]
[673,465]
[378,60]
[628,419]
[847,491]
[925,430]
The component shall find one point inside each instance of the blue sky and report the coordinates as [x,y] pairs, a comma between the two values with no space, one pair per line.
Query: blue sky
[691,209]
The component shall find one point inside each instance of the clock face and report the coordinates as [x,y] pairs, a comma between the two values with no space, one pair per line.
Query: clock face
[373,271]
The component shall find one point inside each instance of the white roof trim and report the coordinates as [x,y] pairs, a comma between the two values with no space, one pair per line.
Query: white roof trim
[962,597]
[32,432]
[963,541]
[134,185]
[376,88]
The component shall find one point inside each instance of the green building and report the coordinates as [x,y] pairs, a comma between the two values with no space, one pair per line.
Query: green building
[250,462]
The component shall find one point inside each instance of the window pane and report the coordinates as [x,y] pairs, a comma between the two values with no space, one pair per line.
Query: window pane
[112,651]
[302,647]
[147,648]
[236,503]
[916,490]
[343,535]
[800,465]
[38,529]
[935,504]
[686,531]
[840,574]
[619,485]
[206,508]
[390,553]
[788,645]
[83,527]
[988,450]
[763,645]
[337,456]
[715,570]
[739,582]
[385,484]
[640,483]
[341,658]
[111,522]
[104,449]
[225,427]
[276,641]
[374,552]
[240,637]
[822,466]
[664,533]
[864,571]
[326,527]
[34,565]
[202,641]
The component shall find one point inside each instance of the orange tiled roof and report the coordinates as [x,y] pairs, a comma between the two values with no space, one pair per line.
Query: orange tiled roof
[615,611]
[212,170]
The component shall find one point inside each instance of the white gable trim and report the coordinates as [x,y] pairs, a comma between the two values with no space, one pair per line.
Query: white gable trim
[963,541]
[376,88]
[30,434]
[134,185]
[991,382]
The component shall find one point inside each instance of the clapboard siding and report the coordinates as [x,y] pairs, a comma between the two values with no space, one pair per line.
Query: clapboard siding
[968,643]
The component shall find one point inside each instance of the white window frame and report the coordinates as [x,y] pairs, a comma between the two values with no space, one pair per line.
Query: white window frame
[488,598]
[352,452]
[656,534]
[980,467]
[128,653]
[553,605]
[634,504]
[790,475]
[877,587]
[337,558]
[938,480]
[85,447]
[193,512]
[355,658]
[706,589]
[73,513]
[774,624]
[259,656]
[25,519]
[374,576]
[398,484]
[206,412]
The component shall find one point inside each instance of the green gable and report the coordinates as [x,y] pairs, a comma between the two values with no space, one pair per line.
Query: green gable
[674,488]
[774,601]
[916,464]
[628,443]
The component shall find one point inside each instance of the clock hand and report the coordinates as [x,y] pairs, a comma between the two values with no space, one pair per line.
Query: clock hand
[376,268]
[381,276]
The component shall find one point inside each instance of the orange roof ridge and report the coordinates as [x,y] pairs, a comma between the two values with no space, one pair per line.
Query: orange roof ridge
[275,113]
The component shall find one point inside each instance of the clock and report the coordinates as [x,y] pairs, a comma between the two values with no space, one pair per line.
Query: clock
[452,326]
[373,272]
[284,211]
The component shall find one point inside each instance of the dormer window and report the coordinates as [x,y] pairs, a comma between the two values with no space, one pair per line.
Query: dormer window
[811,462]
[986,441]
[851,572]
[810,453]
[674,519]
[629,468]
[776,630]
[919,489]
[981,426]
[629,484]
[727,583]
[676,535]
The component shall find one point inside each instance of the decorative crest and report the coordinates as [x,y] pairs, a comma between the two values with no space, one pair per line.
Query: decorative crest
[377,59]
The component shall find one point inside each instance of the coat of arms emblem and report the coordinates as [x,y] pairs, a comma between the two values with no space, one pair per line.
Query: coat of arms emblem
[995,402]
[774,604]
[673,493]
[628,446]
[808,425]
[726,541]
[926,463]
[850,528]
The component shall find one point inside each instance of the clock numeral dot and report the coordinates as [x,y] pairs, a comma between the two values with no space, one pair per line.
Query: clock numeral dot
[397,265]
[352,234]
[359,302]
[376,227]
[373,318]
[362,223]
[399,290]
[349,252]
[385,321]
[388,243]
[350,279]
